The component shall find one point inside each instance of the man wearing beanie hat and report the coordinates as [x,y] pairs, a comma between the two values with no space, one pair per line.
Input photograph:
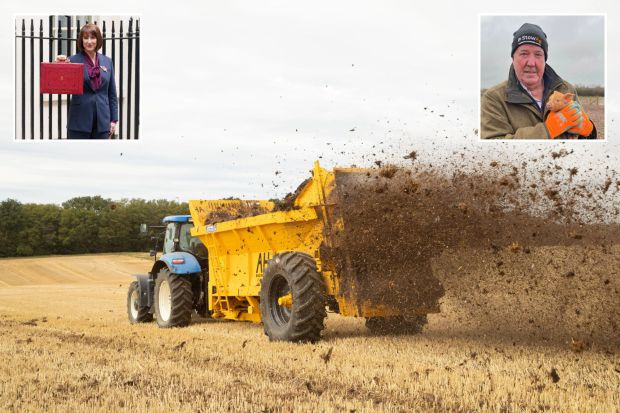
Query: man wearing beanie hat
[515,109]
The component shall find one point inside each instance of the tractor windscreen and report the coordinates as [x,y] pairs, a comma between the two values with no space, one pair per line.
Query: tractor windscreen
[191,244]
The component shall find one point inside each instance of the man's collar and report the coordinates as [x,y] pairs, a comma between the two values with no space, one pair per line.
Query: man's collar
[514,94]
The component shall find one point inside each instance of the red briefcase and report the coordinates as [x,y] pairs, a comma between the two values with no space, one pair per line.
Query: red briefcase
[62,78]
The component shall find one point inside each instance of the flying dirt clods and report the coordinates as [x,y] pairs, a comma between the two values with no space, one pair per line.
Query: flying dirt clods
[405,229]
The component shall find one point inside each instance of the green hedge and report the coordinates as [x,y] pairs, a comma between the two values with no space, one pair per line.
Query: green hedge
[80,225]
[590,90]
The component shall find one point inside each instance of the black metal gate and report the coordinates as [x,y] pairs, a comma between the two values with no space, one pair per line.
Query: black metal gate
[121,42]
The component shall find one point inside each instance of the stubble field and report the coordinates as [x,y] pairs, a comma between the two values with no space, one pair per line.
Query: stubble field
[65,344]
[595,108]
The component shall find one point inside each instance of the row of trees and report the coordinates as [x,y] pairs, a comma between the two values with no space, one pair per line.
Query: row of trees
[88,224]
[590,90]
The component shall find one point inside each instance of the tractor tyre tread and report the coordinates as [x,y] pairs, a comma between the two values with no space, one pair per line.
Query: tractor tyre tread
[144,316]
[309,299]
[182,298]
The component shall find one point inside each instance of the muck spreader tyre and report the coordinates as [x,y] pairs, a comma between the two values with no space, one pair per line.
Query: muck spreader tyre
[173,299]
[135,312]
[292,298]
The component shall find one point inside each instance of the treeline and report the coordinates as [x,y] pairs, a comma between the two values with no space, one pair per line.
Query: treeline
[590,90]
[80,225]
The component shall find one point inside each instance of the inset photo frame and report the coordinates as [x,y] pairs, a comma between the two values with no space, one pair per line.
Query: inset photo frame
[77,77]
[542,77]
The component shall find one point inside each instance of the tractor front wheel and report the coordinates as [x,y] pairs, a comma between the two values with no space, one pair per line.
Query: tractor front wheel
[173,299]
[292,298]
[135,312]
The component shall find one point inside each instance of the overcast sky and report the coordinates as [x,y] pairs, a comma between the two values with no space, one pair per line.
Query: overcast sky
[576,46]
[239,98]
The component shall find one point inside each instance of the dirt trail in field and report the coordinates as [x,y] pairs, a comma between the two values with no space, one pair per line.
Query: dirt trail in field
[517,251]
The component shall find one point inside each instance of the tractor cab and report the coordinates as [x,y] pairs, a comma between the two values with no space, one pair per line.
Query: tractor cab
[177,237]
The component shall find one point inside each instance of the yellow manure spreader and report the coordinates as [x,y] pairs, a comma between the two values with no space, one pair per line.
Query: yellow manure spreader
[269,267]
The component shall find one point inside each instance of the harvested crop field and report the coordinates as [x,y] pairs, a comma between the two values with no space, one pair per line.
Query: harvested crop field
[66,344]
[595,108]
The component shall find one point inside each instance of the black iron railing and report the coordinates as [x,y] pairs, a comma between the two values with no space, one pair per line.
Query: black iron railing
[125,59]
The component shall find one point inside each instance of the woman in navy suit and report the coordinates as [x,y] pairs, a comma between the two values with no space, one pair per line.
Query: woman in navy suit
[94,114]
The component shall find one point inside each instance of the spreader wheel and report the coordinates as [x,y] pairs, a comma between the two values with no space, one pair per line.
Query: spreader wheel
[292,298]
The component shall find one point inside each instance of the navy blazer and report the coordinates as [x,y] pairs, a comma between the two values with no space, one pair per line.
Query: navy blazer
[103,101]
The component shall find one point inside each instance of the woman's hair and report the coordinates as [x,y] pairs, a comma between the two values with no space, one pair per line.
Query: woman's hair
[89,28]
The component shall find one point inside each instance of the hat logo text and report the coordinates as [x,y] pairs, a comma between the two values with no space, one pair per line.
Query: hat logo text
[527,38]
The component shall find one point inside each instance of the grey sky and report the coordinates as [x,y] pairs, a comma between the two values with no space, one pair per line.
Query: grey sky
[233,92]
[576,46]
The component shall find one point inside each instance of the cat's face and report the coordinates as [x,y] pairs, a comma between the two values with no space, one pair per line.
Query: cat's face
[559,100]
[529,64]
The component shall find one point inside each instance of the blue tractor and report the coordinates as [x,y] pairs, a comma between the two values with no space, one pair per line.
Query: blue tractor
[176,285]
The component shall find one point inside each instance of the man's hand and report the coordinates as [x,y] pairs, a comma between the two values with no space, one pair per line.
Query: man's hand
[61,58]
[112,128]
[559,122]
[585,127]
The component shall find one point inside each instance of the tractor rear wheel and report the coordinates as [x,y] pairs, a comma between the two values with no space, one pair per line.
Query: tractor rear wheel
[173,299]
[135,312]
[292,298]
[396,325]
